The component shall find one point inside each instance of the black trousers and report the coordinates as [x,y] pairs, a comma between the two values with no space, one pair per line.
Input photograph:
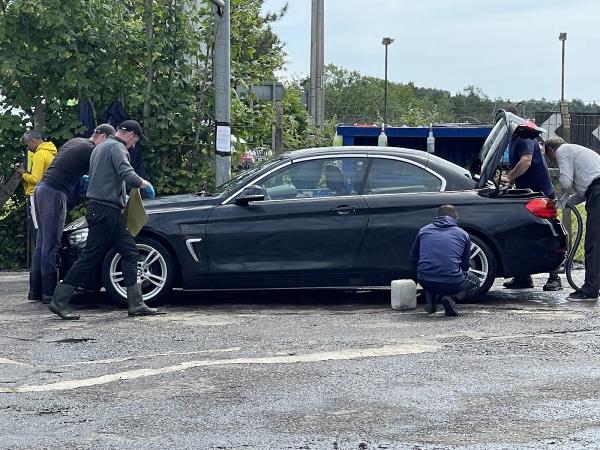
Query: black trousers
[592,241]
[106,230]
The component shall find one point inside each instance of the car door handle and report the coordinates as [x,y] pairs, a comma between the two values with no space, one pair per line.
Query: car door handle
[346,209]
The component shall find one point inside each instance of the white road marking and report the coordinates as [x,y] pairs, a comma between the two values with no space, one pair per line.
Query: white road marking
[10,361]
[129,358]
[388,350]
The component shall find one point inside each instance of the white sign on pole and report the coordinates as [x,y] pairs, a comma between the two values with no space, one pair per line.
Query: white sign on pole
[223,139]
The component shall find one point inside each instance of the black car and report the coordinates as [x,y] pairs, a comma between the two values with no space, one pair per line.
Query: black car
[342,217]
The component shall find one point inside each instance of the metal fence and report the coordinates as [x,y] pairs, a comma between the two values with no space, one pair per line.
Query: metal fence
[585,127]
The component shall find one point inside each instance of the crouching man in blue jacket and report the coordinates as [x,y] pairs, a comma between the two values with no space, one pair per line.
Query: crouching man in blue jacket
[441,252]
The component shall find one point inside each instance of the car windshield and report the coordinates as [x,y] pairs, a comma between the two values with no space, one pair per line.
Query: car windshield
[241,177]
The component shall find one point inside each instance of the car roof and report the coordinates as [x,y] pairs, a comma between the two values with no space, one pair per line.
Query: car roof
[356,149]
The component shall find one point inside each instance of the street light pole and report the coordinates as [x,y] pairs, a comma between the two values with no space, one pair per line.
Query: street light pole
[386,42]
[564,106]
[562,37]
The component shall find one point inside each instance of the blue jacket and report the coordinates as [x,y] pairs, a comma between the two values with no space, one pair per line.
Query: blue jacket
[441,251]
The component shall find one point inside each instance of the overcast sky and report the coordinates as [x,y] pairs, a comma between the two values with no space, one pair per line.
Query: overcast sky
[509,49]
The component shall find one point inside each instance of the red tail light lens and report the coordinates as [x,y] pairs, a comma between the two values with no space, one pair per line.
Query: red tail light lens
[542,207]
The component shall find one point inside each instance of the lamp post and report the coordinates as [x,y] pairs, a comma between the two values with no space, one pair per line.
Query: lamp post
[386,42]
[562,37]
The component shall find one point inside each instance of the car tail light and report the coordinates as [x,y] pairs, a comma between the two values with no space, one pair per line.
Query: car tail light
[543,208]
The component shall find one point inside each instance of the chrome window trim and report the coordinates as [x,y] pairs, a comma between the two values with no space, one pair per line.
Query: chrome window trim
[339,156]
[190,247]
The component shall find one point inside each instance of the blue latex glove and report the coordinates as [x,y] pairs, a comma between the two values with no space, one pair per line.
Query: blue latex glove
[150,191]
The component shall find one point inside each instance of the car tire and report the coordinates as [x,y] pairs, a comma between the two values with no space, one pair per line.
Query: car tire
[156,277]
[483,264]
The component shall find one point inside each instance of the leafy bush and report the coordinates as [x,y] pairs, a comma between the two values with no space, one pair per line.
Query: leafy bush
[13,232]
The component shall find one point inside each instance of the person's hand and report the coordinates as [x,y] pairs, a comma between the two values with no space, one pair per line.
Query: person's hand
[150,191]
[21,170]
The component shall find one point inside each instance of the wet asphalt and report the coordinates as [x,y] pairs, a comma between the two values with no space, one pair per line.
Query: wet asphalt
[301,370]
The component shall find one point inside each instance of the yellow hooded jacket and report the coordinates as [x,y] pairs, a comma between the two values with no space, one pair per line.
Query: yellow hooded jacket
[40,161]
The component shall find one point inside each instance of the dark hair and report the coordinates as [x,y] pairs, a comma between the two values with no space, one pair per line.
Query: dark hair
[447,210]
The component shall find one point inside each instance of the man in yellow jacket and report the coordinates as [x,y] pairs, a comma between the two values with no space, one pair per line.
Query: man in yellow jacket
[41,156]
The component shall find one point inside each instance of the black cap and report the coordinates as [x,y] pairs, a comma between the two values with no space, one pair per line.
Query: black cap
[132,125]
[104,129]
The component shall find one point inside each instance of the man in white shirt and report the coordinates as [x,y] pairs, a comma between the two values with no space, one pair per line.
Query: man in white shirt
[579,179]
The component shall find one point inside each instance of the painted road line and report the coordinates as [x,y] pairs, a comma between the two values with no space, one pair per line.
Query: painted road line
[378,352]
[129,358]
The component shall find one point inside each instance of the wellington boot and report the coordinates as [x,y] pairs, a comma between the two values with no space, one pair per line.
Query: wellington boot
[60,304]
[48,286]
[35,286]
[135,302]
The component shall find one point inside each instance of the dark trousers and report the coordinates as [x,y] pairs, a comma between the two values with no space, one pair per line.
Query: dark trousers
[106,230]
[51,211]
[31,222]
[469,285]
[592,241]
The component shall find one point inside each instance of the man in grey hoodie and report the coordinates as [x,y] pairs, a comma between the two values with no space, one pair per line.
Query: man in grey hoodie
[110,173]
[442,252]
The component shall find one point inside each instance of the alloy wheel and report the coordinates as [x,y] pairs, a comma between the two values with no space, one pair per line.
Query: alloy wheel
[152,272]
[479,264]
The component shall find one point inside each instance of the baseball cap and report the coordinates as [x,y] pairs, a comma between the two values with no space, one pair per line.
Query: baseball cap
[132,125]
[104,129]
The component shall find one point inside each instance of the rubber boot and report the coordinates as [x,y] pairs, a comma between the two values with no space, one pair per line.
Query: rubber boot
[60,304]
[448,303]
[48,286]
[431,302]
[135,302]
[35,286]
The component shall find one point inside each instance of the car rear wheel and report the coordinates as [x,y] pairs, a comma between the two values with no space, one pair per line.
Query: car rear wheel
[155,273]
[483,265]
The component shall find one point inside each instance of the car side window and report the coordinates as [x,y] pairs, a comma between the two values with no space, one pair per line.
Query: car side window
[389,176]
[316,178]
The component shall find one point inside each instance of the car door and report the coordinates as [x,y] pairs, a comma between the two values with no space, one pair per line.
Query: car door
[306,232]
[402,197]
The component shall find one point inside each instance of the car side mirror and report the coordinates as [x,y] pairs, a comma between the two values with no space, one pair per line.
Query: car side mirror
[252,193]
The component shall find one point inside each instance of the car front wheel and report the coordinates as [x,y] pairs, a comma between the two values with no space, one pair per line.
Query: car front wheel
[483,265]
[155,273]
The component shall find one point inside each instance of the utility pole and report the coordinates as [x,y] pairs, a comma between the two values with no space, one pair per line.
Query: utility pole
[317,62]
[222,85]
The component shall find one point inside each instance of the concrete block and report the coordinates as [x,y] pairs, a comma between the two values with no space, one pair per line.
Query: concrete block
[404,295]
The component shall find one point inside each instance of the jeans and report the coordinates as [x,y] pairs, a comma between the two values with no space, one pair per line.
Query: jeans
[106,230]
[468,286]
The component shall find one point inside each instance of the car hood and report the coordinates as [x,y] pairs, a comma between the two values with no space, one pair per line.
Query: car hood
[156,205]
[176,201]
[496,143]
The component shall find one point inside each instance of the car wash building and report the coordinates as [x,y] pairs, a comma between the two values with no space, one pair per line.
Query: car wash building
[458,143]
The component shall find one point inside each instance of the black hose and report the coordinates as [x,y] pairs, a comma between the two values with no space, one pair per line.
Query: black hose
[574,245]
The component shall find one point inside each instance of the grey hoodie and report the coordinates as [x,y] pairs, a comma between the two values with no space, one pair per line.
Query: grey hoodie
[110,172]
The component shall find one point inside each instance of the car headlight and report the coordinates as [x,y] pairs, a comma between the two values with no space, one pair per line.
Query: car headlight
[78,237]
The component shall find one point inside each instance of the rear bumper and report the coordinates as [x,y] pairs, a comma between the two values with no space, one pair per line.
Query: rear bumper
[537,248]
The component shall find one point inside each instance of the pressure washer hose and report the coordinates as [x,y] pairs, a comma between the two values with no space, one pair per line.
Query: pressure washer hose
[574,245]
